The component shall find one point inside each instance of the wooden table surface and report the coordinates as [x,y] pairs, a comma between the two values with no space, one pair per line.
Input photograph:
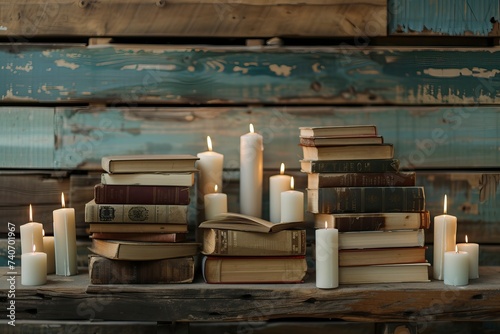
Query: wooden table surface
[73,298]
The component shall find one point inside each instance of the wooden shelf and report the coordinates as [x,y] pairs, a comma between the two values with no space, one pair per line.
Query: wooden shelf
[72,298]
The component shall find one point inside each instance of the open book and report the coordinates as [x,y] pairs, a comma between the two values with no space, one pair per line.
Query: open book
[240,222]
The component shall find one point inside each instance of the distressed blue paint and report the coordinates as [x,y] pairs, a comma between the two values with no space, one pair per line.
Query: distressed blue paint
[211,75]
[448,17]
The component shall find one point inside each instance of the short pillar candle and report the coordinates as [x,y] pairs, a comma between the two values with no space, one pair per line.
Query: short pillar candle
[456,268]
[473,250]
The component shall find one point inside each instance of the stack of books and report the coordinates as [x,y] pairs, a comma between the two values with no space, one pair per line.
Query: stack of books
[244,249]
[356,186]
[138,220]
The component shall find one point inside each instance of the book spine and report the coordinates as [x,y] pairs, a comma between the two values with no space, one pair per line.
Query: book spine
[134,194]
[370,199]
[147,237]
[355,166]
[106,271]
[387,179]
[241,243]
[124,213]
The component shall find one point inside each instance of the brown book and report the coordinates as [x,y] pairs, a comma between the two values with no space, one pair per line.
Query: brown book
[241,243]
[137,228]
[338,130]
[381,221]
[148,237]
[347,152]
[381,239]
[394,273]
[341,140]
[240,222]
[135,250]
[388,179]
[135,213]
[376,256]
[134,194]
[149,179]
[149,163]
[350,166]
[264,269]
[106,271]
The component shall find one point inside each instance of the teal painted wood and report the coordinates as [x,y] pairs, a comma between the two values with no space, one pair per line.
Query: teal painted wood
[209,75]
[26,137]
[446,17]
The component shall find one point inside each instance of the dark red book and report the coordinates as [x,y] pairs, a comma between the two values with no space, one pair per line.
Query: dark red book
[135,194]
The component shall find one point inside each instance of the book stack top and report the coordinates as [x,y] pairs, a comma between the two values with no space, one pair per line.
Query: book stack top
[355,185]
[140,213]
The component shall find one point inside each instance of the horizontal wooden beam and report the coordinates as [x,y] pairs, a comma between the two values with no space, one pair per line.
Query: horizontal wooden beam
[134,74]
[188,18]
[444,17]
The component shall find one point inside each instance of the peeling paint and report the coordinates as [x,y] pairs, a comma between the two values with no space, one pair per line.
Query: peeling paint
[455,72]
[283,70]
[155,67]
[240,69]
[317,67]
[64,63]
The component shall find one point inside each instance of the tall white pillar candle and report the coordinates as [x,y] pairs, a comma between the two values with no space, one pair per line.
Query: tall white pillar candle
[327,258]
[33,268]
[48,248]
[251,173]
[277,184]
[210,166]
[31,234]
[65,240]
[215,204]
[292,205]
[473,250]
[456,268]
[445,234]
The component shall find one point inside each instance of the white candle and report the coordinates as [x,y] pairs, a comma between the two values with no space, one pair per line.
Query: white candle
[445,234]
[251,171]
[48,248]
[456,268]
[31,234]
[33,268]
[215,204]
[473,250]
[327,258]
[292,205]
[65,240]
[210,167]
[277,184]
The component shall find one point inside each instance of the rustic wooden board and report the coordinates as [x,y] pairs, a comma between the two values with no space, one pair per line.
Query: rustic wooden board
[53,327]
[72,298]
[208,18]
[423,137]
[444,17]
[118,74]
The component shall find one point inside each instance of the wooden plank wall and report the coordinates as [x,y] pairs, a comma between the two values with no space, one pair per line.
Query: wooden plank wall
[162,80]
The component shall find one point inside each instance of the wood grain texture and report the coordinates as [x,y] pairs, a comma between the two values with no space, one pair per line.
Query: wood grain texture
[186,18]
[131,74]
[72,298]
[444,17]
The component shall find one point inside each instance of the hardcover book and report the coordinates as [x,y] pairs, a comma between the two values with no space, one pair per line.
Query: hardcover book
[380,221]
[165,271]
[381,239]
[242,243]
[377,256]
[149,163]
[137,228]
[350,166]
[347,152]
[135,213]
[264,269]
[331,141]
[386,179]
[133,194]
[149,179]
[365,199]
[240,222]
[148,237]
[135,250]
[338,130]
[393,273]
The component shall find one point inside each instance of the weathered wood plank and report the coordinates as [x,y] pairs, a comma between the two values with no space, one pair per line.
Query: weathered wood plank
[72,298]
[209,18]
[272,75]
[444,17]
[54,327]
